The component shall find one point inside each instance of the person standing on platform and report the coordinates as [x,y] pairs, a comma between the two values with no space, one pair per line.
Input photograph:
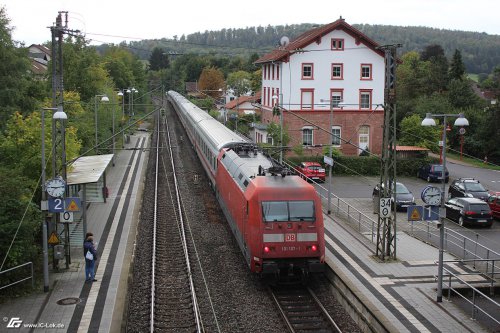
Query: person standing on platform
[90,258]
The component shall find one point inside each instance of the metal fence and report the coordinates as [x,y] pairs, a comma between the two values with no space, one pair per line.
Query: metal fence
[21,279]
[480,303]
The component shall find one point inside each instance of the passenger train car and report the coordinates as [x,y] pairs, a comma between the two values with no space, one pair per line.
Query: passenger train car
[276,218]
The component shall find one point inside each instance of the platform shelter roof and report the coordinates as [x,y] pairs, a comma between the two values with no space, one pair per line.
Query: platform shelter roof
[88,169]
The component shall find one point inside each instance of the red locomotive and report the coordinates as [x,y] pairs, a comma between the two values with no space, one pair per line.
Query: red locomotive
[277,218]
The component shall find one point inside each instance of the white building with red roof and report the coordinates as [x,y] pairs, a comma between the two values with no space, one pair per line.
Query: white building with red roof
[332,65]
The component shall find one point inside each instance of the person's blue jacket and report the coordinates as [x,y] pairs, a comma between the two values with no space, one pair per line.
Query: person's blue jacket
[89,246]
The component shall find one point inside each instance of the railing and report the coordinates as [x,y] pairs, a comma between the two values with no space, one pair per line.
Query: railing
[461,246]
[22,279]
[356,218]
[490,308]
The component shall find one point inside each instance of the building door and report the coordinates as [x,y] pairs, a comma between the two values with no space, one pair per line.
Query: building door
[364,138]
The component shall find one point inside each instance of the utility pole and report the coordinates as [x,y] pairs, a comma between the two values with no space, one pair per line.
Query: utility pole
[57,32]
[386,226]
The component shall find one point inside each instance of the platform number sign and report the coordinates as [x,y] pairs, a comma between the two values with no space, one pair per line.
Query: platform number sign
[56,205]
[385,207]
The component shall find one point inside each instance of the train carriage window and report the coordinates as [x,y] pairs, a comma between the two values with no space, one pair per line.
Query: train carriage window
[274,211]
[301,210]
[245,183]
[240,176]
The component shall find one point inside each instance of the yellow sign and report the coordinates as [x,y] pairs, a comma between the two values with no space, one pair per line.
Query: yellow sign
[415,215]
[53,239]
[72,206]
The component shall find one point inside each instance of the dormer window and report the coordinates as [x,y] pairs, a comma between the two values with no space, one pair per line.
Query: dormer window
[337,44]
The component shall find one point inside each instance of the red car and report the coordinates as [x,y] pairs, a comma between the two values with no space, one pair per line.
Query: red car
[311,171]
[494,203]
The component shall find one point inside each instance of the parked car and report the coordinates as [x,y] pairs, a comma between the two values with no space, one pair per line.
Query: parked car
[469,211]
[433,173]
[404,197]
[311,171]
[494,203]
[467,188]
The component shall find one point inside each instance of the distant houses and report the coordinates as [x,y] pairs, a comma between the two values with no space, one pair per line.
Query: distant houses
[39,56]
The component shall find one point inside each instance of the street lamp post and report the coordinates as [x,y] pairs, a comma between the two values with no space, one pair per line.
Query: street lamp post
[429,121]
[104,98]
[44,218]
[277,103]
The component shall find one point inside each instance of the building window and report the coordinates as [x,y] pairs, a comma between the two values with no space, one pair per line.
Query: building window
[269,139]
[337,44]
[307,99]
[365,99]
[364,138]
[272,69]
[337,134]
[336,96]
[337,71]
[277,72]
[366,71]
[307,71]
[307,136]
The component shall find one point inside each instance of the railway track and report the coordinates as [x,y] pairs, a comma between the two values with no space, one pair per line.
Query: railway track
[301,310]
[174,305]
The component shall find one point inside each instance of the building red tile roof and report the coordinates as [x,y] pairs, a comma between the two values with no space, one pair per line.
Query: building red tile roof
[315,35]
[242,99]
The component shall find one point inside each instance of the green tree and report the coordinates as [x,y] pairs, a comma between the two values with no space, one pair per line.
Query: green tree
[240,82]
[457,67]
[19,92]
[158,60]
[412,133]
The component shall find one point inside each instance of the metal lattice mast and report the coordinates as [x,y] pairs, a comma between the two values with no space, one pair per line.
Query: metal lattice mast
[386,227]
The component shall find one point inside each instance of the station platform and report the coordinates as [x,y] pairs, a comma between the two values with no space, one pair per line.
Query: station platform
[400,295]
[71,305]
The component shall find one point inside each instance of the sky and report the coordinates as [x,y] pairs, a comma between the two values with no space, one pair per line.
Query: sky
[108,21]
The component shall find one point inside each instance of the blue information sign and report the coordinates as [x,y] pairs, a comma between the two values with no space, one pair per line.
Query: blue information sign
[415,213]
[56,205]
[431,213]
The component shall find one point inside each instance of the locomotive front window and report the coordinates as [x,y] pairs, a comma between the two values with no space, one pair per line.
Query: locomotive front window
[301,210]
[279,211]
[275,211]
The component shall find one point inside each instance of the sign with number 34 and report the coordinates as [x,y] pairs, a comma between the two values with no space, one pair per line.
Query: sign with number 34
[385,207]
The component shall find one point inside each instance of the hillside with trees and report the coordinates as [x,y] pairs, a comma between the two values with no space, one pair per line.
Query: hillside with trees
[480,51]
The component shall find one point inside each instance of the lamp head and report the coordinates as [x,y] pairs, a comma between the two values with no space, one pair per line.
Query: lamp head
[428,120]
[461,121]
[104,98]
[120,93]
[60,114]
[275,98]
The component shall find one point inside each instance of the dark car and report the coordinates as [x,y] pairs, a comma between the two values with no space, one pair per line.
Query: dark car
[404,197]
[311,170]
[494,203]
[433,173]
[469,211]
[467,188]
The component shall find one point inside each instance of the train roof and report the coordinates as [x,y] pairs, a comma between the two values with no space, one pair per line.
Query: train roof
[218,133]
